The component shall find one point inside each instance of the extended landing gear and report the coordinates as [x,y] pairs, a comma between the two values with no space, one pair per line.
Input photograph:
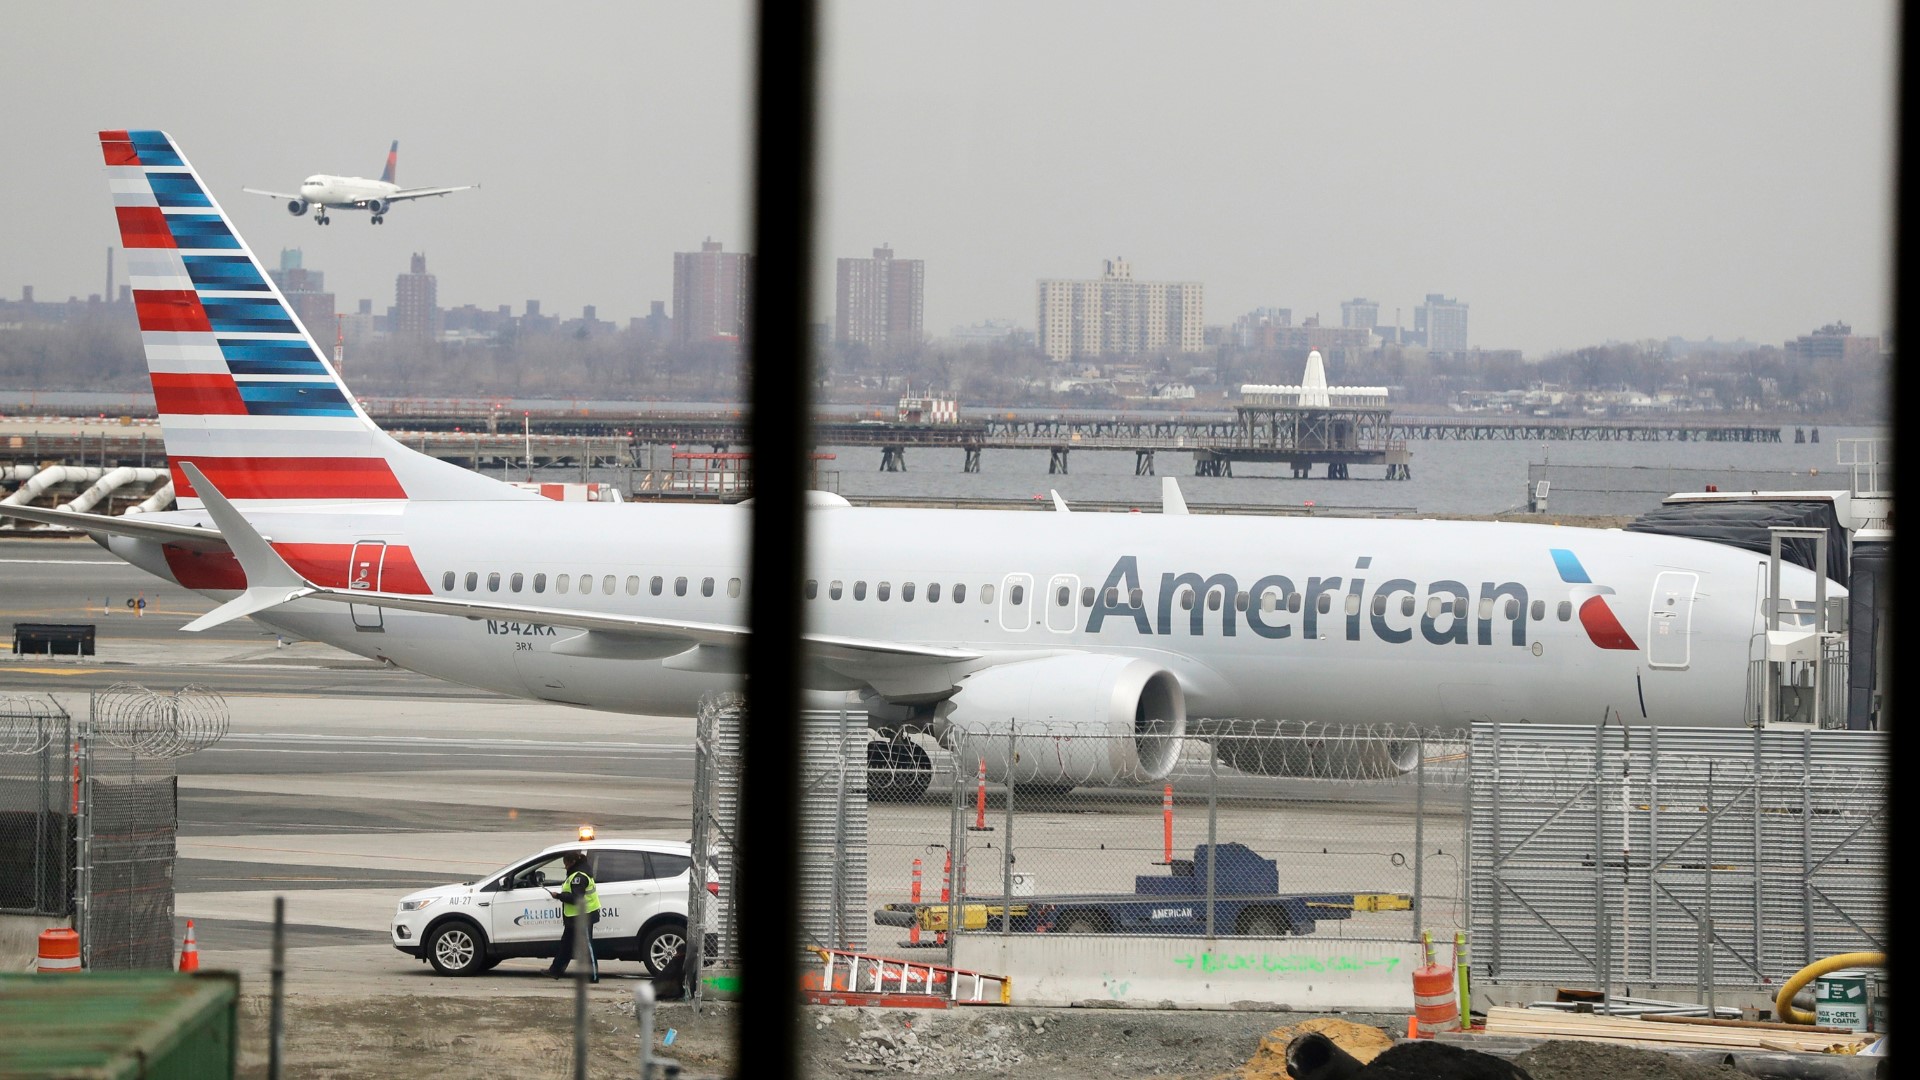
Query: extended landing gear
[898,770]
[322,219]
[379,219]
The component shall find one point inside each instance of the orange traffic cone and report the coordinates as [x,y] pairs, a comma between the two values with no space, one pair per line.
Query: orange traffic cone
[189,952]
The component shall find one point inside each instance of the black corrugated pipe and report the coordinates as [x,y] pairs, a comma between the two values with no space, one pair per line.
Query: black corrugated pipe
[778,370]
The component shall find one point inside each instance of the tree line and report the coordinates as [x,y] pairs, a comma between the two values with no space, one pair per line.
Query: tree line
[103,352]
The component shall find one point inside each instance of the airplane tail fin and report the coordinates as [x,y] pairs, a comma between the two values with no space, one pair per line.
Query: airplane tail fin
[241,388]
[393,158]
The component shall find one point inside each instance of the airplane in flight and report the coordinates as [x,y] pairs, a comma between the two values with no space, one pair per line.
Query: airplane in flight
[324,191]
[295,509]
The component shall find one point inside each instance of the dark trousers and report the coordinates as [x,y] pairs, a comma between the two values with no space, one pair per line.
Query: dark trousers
[564,955]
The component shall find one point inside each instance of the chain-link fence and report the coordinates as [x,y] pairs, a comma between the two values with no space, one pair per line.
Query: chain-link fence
[1712,858]
[832,890]
[1338,832]
[129,816]
[38,800]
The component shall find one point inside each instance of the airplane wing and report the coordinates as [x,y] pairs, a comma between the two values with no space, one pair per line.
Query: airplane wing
[192,536]
[274,194]
[423,192]
[271,582]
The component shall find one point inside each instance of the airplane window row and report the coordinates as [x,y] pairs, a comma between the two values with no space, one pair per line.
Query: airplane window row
[607,584]
[1271,600]
[883,590]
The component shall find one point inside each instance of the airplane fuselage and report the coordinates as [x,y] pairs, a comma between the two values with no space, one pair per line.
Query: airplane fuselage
[1435,623]
[346,192]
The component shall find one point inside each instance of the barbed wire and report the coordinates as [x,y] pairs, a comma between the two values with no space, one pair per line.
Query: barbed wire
[154,724]
[28,725]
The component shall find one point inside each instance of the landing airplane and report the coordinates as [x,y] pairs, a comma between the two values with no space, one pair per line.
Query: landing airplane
[296,510]
[324,192]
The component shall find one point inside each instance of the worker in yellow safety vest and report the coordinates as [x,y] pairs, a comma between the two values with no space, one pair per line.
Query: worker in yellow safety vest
[577,891]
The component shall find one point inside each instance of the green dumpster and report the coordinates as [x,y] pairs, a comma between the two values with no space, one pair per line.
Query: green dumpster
[109,1025]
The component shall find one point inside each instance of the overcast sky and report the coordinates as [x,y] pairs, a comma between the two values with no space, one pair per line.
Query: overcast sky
[1615,171]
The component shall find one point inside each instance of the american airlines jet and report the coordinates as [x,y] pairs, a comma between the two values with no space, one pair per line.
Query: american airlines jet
[296,510]
[328,192]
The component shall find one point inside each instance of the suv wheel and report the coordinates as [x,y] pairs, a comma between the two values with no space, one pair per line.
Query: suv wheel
[658,945]
[457,948]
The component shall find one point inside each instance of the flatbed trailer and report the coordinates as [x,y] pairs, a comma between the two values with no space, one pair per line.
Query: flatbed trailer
[1247,902]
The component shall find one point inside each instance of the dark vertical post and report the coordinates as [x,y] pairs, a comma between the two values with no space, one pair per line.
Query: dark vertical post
[277,984]
[780,396]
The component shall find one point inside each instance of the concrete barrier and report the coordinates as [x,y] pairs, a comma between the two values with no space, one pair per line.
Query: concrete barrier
[20,940]
[1171,972]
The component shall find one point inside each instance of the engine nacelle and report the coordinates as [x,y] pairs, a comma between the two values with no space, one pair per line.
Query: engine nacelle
[379,206]
[1061,721]
[1315,751]
[296,207]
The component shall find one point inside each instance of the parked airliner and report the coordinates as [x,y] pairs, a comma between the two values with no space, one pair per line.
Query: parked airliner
[295,509]
[324,191]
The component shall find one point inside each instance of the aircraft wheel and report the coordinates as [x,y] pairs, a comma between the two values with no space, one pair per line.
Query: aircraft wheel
[898,770]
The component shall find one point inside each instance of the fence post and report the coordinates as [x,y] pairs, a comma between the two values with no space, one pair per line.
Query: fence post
[1420,835]
[1006,836]
[841,930]
[698,912]
[1499,852]
[1603,936]
[956,857]
[1213,822]
[1706,905]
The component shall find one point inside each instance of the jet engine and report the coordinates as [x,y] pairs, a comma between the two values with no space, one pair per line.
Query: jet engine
[1062,721]
[379,207]
[1314,751]
[296,207]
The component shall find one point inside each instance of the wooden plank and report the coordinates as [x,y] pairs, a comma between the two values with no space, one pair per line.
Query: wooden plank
[1550,1023]
[1771,1025]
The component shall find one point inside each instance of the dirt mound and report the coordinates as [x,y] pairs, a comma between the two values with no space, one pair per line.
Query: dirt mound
[1364,1041]
[1569,1060]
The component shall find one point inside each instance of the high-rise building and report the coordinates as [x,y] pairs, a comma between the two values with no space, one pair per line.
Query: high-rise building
[1114,315]
[1442,323]
[878,302]
[711,294]
[1359,314]
[1834,341]
[416,296]
[306,293]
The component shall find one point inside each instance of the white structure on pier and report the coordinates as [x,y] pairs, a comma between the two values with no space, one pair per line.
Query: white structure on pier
[1313,391]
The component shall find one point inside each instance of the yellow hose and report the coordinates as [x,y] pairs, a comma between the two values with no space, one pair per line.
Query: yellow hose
[1783,1004]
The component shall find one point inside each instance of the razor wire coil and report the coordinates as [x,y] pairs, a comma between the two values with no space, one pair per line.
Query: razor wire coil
[155,724]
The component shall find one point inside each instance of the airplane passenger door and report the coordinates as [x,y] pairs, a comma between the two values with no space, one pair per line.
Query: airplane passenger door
[1016,601]
[363,572]
[1062,605]
[1670,620]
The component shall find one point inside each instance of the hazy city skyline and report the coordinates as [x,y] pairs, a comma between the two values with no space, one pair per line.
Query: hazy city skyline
[1634,172]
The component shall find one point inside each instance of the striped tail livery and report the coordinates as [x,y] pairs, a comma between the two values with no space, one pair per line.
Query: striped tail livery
[240,386]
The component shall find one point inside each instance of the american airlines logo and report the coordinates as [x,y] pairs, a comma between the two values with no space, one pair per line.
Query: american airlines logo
[1392,610]
[1595,615]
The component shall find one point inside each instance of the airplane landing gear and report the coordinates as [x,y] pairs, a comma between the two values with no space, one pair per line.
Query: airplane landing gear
[379,219]
[898,770]
[322,219]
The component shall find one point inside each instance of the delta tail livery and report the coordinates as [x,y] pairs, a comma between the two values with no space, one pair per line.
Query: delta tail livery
[320,192]
[296,510]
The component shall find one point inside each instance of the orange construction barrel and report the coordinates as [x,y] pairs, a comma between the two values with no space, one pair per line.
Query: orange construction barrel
[1434,1005]
[59,950]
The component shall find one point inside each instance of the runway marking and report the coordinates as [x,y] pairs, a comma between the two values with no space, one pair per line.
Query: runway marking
[54,670]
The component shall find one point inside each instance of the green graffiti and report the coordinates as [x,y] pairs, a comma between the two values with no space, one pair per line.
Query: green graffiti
[722,983]
[1212,963]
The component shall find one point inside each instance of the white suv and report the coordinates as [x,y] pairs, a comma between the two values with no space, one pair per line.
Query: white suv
[468,928]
